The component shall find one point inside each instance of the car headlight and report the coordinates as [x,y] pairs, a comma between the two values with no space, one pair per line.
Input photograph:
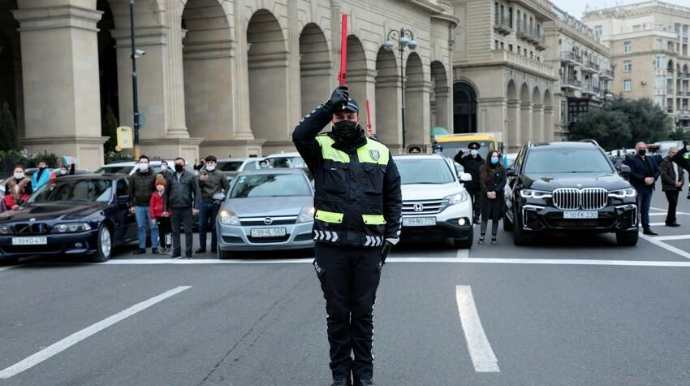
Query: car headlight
[306,215]
[623,193]
[536,194]
[457,198]
[71,227]
[5,229]
[229,218]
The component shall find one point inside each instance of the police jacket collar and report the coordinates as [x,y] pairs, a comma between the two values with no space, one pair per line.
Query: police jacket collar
[349,147]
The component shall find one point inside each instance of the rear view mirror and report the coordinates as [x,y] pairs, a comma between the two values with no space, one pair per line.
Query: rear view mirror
[465,177]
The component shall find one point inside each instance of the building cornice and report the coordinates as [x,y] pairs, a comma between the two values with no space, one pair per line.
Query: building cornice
[584,39]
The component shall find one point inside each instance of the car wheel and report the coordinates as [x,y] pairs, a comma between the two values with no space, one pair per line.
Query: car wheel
[224,255]
[627,239]
[519,236]
[9,261]
[104,245]
[507,224]
[466,243]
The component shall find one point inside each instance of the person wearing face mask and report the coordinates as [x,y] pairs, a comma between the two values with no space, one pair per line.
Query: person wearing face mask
[213,183]
[42,176]
[141,185]
[17,189]
[472,162]
[358,211]
[492,181]
[644,171]
[181,204]
[66,169]
[165,170]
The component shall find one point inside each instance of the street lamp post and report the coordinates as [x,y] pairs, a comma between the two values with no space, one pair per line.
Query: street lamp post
[405,38]
[135,93]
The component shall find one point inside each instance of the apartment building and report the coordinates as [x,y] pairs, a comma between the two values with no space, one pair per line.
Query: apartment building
[649,47]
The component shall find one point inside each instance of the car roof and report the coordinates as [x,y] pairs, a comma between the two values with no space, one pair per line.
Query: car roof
[91,176]
[279,155]
[563,145]
[272,171]
[419,156]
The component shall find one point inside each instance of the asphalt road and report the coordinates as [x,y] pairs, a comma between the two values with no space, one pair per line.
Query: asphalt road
[570,310]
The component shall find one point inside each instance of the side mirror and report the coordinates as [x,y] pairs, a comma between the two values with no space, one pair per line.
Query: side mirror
[625,170]
[510,172]
[465,177]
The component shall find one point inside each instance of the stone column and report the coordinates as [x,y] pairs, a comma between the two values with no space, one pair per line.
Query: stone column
[512,138]
[61,81]
[538,123]
[362,84]
[417,96]
[548,123]
[491,116]
[443,107]
[526,129]
[388,124]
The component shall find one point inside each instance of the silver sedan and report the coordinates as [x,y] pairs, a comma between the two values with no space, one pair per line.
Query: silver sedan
[266,210]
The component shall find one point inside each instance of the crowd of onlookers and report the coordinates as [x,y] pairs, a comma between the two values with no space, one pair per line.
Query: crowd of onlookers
[19,186]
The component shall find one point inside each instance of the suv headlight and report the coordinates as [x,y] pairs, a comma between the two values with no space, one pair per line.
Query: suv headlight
[457,198]
[306,215]
[5,229]
[536,194]
[229,218]
[71,227]
[623,193]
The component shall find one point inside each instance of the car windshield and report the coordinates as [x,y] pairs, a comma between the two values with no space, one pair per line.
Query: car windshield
[450,149]
[554,161]
[112,169]
[229,166]
[270,185]
[424,171]
[74,190]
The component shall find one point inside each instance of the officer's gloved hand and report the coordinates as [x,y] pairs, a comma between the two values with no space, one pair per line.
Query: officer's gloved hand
[386,249]
[340,97]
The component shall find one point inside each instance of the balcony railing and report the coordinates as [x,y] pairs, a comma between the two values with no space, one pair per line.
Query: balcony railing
[573,83]
[592,66]
[684,93]
[571,57]
[532,35]
[606,74]
[684,75]
[502,25]
[669,90]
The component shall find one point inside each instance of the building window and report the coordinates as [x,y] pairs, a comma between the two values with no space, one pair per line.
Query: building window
[510,16]
[659,62]
[510,47]
[495,44]
[669,46]
[627,47]
[627,85]
[659,44]
[627,66]
[503,47]
[597,30]
[660,82]
[659,100]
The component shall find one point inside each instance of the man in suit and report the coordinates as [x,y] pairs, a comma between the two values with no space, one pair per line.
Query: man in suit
[644,172]
[672,178]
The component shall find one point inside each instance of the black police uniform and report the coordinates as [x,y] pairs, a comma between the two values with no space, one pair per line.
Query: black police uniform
[358,205]
[472,165]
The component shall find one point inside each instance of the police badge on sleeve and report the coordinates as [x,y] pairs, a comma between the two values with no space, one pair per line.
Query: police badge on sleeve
[375,155]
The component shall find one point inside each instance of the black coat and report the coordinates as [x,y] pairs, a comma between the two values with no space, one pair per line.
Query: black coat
[493,209]
[472,166]
[637,173]
[141,185]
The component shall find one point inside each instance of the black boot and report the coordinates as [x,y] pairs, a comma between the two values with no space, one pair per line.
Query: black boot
[364,382]
[341,382]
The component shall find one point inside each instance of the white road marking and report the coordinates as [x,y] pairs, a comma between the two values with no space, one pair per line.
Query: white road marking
[670,248]
[665,210]
[463,254]
[478,345]
[415,260]
[668,238]
[656,224]
[6,268]
[77,337]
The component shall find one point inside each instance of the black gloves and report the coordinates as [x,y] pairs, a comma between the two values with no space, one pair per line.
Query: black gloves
[385,250]
[339,98]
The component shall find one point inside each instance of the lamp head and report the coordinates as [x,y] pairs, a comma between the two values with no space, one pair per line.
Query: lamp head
[388,45]
[412,45]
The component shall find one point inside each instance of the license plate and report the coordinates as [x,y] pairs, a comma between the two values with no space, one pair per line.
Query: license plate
[419,221]
[29,240]
[269,232]
[581,215]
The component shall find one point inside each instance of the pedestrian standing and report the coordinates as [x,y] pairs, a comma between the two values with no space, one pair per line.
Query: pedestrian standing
[358,205]
[472,163]
[213,184]
[141,185]
[672,179]
[161,221]
[644,172]
[165,170]
[493,180]
[18,188]
[41,176]
[182,204]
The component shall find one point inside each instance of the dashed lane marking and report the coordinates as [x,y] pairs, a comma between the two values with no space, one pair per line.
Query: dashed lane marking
[483,357]
[77,337]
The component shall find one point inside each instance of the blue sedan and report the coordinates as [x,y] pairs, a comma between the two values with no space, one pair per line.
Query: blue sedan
[74,215]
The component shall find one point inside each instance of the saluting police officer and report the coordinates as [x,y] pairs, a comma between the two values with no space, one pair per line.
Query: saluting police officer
[472,163]
[358,205]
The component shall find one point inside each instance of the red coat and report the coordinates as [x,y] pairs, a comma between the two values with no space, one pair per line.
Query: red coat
[9,201]
[156,206]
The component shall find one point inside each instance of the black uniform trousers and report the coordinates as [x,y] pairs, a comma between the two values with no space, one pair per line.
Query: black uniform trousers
[349,280]
[672,197]
[476,201]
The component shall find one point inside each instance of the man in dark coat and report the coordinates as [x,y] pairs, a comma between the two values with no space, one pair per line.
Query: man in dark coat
[672,178]
[644,172]
[472,162]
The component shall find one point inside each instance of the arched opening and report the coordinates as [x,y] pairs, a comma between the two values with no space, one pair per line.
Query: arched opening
[207,71]
[512,136]
[315,67]
[387,124]
[464,108]
[107,64]
[11,94]
[268,74]
[416,100]
[538,116]
[357,71]
[548,117]
[440,111]
[525,115]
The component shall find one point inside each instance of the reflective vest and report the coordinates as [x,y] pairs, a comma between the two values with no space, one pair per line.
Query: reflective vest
[349,194]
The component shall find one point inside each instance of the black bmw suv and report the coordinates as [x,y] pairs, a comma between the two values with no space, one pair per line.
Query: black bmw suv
[568,186]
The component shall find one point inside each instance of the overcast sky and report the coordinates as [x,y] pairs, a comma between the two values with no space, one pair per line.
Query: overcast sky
[578,7]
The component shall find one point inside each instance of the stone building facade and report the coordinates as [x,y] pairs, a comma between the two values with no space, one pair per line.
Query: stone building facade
[223,77]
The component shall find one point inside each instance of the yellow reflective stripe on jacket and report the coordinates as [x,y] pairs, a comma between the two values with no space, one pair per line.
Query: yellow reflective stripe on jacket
[373,152]
[328,152]
[329,217]
[373,219]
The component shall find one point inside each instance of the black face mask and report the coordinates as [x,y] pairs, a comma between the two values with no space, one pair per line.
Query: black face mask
[642,152]
[179,168]
[347,131]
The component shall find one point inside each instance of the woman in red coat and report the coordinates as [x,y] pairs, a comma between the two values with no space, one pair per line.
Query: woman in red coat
[17,189]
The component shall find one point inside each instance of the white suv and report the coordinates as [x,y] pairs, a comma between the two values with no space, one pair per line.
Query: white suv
[436,206]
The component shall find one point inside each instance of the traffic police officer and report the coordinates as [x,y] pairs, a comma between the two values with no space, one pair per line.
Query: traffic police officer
[472,163]
[358,205]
